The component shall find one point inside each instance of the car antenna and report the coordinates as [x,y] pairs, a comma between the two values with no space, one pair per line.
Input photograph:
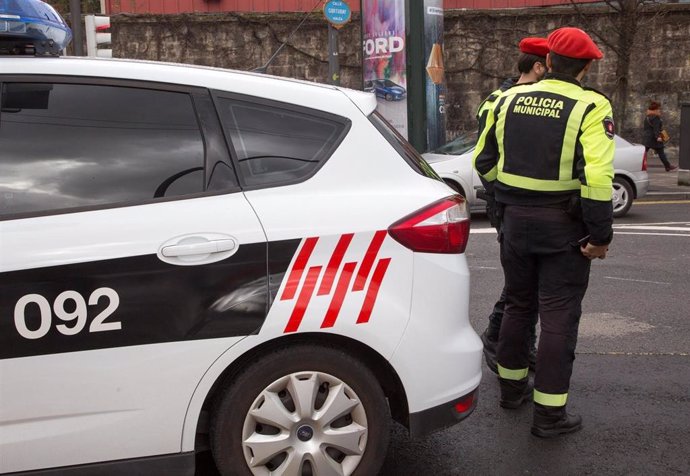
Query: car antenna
[262,69]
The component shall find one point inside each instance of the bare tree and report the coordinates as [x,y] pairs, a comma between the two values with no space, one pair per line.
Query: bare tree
[619,35]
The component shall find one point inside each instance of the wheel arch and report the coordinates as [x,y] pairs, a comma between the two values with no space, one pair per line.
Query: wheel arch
[387,376]
[456,184]
[631,182]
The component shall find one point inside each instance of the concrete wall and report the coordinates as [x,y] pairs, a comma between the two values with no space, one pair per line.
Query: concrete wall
[481,49]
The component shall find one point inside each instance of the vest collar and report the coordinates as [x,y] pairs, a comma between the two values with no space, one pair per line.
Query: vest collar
[563,77]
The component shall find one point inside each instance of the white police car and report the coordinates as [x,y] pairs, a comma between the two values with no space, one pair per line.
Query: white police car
[193,258]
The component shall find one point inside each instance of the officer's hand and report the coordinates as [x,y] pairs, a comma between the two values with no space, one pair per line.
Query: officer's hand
[591,251]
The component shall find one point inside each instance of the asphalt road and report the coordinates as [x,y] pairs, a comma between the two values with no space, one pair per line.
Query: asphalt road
[631,381]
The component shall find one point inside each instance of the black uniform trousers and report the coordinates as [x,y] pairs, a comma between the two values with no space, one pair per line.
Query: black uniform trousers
[542,263]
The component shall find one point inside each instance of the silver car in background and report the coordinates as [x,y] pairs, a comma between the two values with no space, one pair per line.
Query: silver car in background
[453,162]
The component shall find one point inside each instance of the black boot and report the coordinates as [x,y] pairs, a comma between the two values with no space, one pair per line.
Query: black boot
[490,341]
[554,421]
[515,392]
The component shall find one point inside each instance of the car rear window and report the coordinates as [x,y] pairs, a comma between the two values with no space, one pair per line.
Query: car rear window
[276,144]
[403,147]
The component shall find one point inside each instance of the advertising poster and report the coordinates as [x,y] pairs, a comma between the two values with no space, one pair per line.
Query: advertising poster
[384,58]
[435,74]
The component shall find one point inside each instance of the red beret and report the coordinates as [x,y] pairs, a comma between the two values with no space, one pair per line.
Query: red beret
[534,46]
[573,43]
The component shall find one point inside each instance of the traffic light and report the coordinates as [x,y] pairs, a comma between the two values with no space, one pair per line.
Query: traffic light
[97,34]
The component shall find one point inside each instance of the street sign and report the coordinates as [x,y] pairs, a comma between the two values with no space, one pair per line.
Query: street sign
[337,12]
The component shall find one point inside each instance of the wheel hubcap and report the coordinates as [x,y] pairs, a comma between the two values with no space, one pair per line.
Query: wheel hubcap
[619,198]
[305,424]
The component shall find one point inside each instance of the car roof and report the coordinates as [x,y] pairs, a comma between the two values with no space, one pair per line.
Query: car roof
[315,95]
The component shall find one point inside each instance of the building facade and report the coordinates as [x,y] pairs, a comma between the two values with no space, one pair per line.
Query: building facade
[267,6]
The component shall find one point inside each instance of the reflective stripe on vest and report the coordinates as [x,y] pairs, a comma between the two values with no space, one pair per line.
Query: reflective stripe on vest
[565,181]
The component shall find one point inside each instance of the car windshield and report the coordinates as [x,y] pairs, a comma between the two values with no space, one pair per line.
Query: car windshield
[388,83]
[458,146]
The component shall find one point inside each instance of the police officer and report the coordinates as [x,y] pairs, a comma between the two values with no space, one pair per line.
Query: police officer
[532,67]
[548,147]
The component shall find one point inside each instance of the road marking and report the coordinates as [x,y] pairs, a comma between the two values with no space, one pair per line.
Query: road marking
[622,229]
[662,223]
[645,354]
[661,202]
[636,280]
[657,228]
[649,234]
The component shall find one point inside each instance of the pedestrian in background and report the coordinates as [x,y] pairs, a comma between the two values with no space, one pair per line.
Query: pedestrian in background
[654,134]
[548,148]
[532,67]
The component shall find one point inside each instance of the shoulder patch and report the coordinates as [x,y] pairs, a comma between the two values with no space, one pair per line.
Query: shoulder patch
[609,127]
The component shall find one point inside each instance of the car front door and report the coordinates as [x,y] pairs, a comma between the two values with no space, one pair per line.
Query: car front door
[129,261]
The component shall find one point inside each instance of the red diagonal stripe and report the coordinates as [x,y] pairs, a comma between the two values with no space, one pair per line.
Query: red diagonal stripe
[298,268]
[369,259]
[339,296]
[334,264]
[303,299]
[373,291]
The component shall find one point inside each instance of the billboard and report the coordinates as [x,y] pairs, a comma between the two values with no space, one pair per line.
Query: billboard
[384,58]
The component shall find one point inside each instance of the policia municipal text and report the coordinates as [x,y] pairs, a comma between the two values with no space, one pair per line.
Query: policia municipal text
[548,149]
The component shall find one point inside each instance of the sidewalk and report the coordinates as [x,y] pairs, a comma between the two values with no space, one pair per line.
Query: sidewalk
[664,185]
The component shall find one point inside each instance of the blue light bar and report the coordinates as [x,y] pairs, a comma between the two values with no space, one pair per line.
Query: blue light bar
[32,27]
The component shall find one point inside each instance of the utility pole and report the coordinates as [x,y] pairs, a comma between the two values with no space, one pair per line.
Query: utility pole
[77,30]
[333,60]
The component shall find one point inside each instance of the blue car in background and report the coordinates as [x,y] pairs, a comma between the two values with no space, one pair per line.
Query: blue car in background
[32,27]
[385,88]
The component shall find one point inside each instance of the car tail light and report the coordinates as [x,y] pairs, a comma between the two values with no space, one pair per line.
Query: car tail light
[464,404]
[644,161]
[442,227]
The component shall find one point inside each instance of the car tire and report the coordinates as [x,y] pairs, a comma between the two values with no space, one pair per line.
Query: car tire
[389,97]
[622,197]
[259,404]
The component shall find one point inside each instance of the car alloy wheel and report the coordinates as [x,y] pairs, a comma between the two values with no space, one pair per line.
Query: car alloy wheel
[622,197]
[305,423]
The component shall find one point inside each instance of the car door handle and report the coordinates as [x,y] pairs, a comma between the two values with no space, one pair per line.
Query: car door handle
[204,248]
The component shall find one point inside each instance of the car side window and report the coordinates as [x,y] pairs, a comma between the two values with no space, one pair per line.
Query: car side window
[67,146]
[278,145]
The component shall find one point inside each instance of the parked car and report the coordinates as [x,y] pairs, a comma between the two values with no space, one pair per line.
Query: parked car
[453,162]
[385,88]
[196,258]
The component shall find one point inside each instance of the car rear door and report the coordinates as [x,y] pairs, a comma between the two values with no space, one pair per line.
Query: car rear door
[129,261]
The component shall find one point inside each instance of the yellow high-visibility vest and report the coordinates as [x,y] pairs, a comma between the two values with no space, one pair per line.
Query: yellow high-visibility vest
[549,138]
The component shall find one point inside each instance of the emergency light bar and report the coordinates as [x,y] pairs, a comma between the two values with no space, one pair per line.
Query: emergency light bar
[32,27]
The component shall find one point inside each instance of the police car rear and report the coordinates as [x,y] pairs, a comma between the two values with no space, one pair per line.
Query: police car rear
[199,259]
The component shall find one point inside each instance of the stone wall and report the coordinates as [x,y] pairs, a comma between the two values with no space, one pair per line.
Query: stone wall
[480,52]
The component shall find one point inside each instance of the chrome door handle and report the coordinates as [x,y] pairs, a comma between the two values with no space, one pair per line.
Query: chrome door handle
[203,248]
